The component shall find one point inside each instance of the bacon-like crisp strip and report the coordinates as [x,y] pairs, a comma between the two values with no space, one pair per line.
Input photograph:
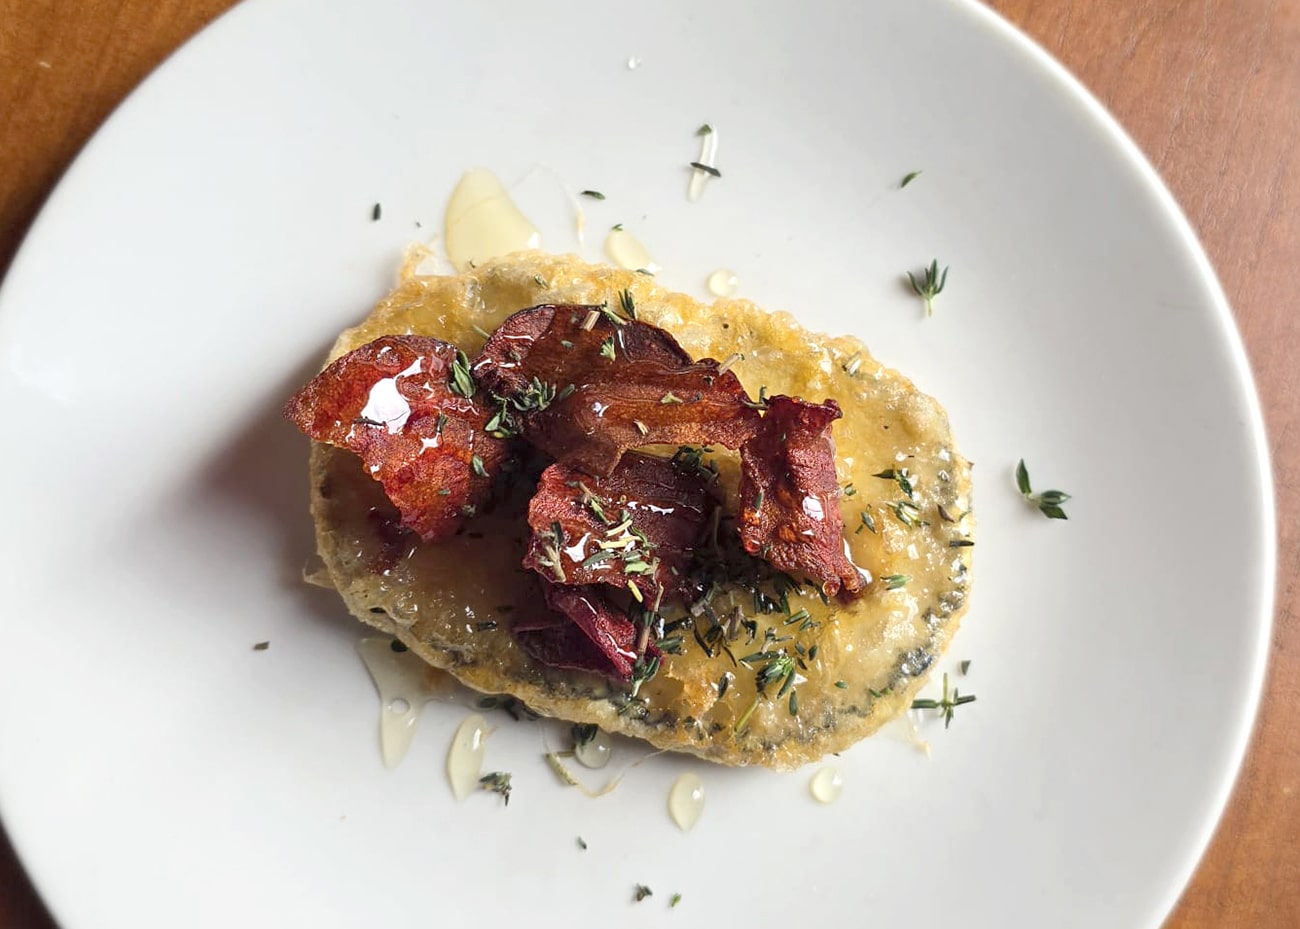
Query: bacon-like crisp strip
[636,528]
[585,386]
[390,402]
[585,632]
[791,516]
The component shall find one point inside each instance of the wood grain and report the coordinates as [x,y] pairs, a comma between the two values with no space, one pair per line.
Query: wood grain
[1210,90]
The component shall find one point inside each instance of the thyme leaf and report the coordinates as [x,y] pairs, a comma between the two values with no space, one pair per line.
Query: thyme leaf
[461,381]
[901,477]
[583,733]
[626,303]
[909,514]
[947,704]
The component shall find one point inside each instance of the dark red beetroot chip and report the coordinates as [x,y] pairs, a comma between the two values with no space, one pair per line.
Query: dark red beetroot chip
[585,386]
[581,631]
[390,402]
[791,516]
[635,528]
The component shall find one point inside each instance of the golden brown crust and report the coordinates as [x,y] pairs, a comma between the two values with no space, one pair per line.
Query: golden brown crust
[451,602]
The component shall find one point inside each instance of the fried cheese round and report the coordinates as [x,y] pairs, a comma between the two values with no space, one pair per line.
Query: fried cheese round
[844,667]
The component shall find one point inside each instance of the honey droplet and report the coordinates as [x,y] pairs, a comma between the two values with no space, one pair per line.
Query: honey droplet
[722,283]
[482,222]
[405,683]
[826,785]
[686,801]
[626,251]
[465,757]
[595,752]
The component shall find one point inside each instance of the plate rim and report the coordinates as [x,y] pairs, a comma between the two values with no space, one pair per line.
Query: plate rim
[1230,336]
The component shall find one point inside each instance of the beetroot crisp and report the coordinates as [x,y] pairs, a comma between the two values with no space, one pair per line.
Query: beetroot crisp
[582,631]
[635,529]
[791,514]
[584,385]
[395,403]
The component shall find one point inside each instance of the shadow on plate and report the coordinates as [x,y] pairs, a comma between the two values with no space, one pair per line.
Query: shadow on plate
[234,535]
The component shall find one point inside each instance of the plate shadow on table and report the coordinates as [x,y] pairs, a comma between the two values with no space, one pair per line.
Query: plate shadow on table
[20,907]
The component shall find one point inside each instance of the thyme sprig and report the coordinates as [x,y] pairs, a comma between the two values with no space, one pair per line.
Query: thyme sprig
[930,285]
[536,396]
[947,705]
[643,670]
[779,667]
[552,540]
[1048,501]
[497,782]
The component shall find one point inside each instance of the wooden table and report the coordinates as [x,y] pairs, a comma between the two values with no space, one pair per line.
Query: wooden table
[1210,89]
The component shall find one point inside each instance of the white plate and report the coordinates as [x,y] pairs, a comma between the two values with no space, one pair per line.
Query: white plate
[192,267]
